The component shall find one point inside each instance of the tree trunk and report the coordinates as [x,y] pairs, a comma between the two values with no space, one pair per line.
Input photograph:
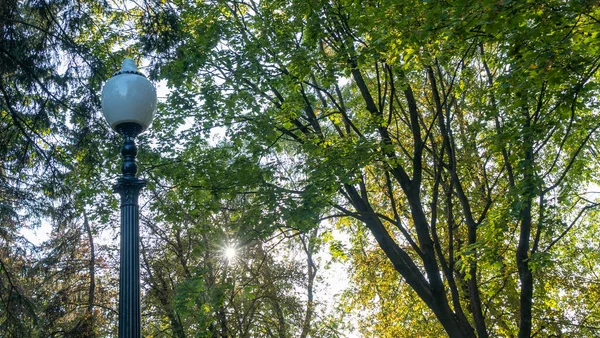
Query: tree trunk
[312,273]
[525,273]
[433,295]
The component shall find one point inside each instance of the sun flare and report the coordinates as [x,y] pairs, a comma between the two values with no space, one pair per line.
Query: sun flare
[230,253]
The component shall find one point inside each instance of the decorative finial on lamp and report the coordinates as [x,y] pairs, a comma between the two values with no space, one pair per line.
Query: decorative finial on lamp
[129,65]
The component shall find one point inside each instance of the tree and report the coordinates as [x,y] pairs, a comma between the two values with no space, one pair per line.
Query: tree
[461,135]
[49,84]
[204,201]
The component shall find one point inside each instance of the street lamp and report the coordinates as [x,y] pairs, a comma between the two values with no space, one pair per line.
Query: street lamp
[128,104]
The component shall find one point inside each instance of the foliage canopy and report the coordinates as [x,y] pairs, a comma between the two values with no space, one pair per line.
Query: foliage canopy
[453,144]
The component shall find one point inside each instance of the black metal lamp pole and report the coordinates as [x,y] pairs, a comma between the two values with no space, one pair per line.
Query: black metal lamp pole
[128,104]
[129,187]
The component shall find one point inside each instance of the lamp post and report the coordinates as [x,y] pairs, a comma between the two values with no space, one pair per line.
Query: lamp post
[128,104]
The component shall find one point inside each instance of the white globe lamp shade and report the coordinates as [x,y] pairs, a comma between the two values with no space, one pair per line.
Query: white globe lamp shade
[128,98]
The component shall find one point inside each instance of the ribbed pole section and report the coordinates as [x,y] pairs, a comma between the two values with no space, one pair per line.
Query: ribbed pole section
[129,188]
